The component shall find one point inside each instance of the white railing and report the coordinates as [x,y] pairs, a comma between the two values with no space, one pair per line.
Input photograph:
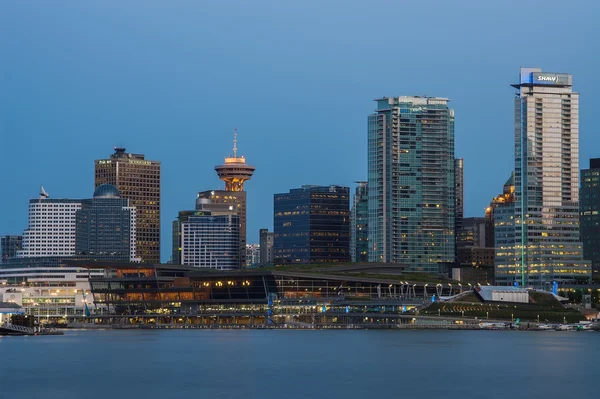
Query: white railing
[13,327]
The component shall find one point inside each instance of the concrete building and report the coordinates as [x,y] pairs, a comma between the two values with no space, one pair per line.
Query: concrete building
[359,228]
[210,241]
[411,183]
[51,227]
[209,236]
[106,227]
[312,225]
[9,247]
[589,214]
[138,180]
[266,247]
[544,242]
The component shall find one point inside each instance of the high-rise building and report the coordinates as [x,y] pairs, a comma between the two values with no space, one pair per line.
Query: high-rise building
[471,245]
[411,183]
[51,227]
[207,240]
[589,214]
[138,180]
[225,202]
[204,237]
[266,247]
[9,247]
[312,225]
[252,255]
[459,196]
[544,245]
[472,233]
[106,227]
[504,201]
[235,172]
[359,230]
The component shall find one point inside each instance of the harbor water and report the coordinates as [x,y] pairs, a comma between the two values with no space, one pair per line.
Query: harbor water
[300,364]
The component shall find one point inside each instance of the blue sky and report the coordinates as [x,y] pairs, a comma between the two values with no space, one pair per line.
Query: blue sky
[171,79]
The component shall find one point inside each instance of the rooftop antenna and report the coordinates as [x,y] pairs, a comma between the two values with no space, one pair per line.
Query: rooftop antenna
[235,142]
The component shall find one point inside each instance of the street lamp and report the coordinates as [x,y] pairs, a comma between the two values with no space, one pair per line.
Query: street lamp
[425,291]
[460,285]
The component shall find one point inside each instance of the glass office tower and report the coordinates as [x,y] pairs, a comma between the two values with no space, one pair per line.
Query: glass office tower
[9,247]
[312,225]
[589,214]
[105,227]
[546,245]
[411,183]
[359,231]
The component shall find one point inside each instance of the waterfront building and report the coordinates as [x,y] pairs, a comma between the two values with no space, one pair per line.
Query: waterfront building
[312,225]
[359,218]
[106,226]
[47,287]
[411,184]
[589,214]
[9,247]
[138,180]
[144,293]
[543,244]
[266,247]
[51,227]
[235,172]
[252,255]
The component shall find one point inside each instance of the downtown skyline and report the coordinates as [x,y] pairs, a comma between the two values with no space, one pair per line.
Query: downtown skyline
[179,115]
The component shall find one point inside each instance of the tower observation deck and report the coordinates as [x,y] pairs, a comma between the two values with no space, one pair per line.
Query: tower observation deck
[234,172]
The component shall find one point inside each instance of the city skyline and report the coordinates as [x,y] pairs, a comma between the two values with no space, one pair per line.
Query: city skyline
[171,108]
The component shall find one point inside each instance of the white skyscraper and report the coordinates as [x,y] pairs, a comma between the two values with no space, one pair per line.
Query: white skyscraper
[546,244]
[51,228]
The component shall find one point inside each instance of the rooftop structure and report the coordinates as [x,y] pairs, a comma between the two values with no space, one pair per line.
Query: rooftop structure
[234,172]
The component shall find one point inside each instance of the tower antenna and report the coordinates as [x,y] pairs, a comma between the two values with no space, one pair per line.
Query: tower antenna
[235,142]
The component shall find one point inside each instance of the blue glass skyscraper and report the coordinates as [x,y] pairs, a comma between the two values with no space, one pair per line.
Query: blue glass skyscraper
[411,182]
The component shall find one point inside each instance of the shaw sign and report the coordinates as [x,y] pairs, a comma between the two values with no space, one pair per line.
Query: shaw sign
[545,78]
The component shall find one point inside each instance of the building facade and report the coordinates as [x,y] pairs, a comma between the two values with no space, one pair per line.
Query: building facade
[359,230]
[312,225]
[106,227]
[472,233]
[9,247]
[252,255]
[411,183]
[589,214]
[138,180]
[210,241]
[459,193]
[544,244]
[51,227]
[266,247]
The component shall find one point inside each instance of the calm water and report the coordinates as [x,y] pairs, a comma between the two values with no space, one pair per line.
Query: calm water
[300,364]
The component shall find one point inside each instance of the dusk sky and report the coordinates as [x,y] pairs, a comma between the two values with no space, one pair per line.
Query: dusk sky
[171,79]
